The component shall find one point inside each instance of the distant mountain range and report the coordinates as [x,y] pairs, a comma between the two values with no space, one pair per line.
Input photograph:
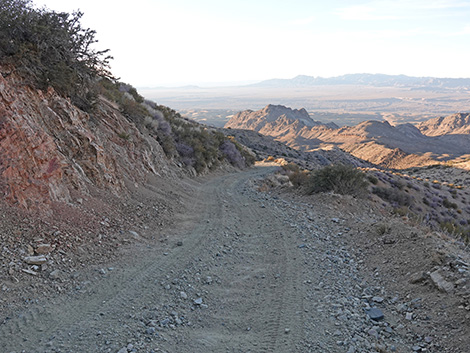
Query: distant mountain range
[378,142]
[374,80]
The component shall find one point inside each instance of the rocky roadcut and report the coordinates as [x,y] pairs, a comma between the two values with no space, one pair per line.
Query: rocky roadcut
[243,271]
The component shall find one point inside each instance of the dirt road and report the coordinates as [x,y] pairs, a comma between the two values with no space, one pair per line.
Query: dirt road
[242,271]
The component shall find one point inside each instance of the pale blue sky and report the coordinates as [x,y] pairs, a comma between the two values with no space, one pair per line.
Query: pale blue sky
[180,42]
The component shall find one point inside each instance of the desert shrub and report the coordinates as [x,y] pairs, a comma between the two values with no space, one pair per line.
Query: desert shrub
[446,203]
[394,196]
[124,87]
[49,48]
[290,167]
[372,179]
[134,111]
[383,228]
[299,178]
[401,211]
[232,154]
[400,184]
[339,178]
[124,135]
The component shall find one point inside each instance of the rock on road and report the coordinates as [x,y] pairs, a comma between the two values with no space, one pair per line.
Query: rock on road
[243,272]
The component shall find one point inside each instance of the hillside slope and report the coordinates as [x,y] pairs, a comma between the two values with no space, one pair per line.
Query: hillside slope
[455,124]
[378,142]
[50,148]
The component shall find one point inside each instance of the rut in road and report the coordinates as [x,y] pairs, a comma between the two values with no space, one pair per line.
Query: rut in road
[252,302]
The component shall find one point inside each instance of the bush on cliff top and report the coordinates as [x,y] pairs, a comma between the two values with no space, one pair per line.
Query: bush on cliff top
[49,48]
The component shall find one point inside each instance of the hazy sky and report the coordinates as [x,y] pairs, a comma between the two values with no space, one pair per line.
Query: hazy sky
[180,42]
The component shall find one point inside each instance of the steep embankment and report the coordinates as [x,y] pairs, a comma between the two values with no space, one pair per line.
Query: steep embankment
[378,142]
[50,149]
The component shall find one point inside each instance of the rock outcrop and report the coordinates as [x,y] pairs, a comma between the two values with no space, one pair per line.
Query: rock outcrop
[450,125]
[378,142]
[48,147]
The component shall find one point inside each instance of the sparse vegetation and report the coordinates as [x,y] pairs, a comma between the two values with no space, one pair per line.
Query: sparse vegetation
[339,178]
[394,196]
[373,179]
[383,228]
[446,203]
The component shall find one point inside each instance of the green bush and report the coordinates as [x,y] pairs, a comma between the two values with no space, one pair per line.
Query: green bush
[373,179]
[50,48]
[339,178]
[394,196]
[446,203]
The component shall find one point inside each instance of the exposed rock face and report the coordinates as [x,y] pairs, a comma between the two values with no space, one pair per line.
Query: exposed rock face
[378,142]
[453,124]
[48,147]
[250,120]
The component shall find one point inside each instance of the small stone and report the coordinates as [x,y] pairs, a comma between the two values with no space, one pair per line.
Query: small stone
[55,274]
[441,283]
[378,299]
[375,314]
[35,260]
[416,348]
[180,243]
[409,316]
[183,295]
[287,330]
[122,350]
[29,272]
[373,333]
[335,220]
[150,331]
[134,234]
[43,249]
[417,277]
[428,339]
[198,301]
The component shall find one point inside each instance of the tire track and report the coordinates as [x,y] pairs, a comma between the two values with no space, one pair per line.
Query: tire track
[263,247]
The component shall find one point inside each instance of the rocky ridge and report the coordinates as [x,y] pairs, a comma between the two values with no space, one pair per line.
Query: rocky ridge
[400,146]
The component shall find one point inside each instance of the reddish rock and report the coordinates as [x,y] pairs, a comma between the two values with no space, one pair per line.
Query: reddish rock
[49,147]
